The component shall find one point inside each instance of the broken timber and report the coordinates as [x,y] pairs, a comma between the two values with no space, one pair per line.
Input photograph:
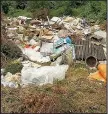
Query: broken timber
[84,48]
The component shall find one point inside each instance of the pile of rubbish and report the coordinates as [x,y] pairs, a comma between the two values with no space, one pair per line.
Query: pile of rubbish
[48,47]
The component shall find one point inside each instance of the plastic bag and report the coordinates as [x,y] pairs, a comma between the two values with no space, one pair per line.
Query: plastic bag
[35,56]
[43,75]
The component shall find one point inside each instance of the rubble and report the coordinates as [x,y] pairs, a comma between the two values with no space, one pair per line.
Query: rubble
[102,35]
[54,42]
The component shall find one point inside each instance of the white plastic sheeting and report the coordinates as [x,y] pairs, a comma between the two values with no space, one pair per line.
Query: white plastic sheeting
[35,56]
[43,75]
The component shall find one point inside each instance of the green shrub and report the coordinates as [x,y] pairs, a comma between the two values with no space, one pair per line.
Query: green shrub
[9,48]
[19,12]
[94,11]
[13,67]
[57,12]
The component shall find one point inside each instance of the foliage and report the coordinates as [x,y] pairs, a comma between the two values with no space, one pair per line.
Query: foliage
[92,10]
[9,49]
[19,12]
[13,67]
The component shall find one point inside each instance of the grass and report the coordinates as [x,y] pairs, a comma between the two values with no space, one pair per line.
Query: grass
[74,94]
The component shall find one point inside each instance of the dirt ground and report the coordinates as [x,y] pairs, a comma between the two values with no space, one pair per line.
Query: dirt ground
[76,93]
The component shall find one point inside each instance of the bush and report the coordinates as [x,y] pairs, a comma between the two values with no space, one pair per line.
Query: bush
[94,11]
[40,13]
[9,51]
[9,48]
[13,67]
[19,12]
[58,12]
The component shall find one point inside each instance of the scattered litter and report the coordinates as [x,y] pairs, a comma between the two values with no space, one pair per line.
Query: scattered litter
[11,80]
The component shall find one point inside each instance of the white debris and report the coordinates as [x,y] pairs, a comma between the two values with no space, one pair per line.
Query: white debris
[43,75]
[46,47]
[57,62]
[2,71]
[35,56]
[96,27]
[33,42]
[100,34]
[23,17]
[10,80]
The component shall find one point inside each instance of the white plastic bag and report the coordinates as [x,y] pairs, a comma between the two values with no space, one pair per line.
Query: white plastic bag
[43,75]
